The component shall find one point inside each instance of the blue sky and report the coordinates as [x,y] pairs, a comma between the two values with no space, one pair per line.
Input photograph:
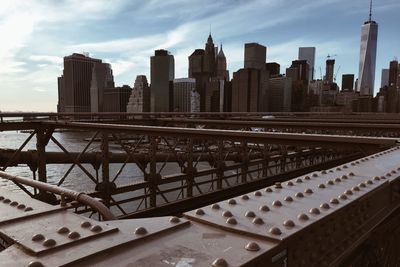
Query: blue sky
[37,34]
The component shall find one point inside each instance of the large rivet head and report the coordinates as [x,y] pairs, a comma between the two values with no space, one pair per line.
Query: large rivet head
[275,231]
[314,211]
[369,182]
[344,177]
[321,186]
[37,237]
[289,199]
[355,188]
[288,223]
[303,217]
[337,180]
[323,171]
[35,264]
[232,202]
[257,194]
[174,219]
[388,174]
[21,206]
[264,208]
[1,198]
[258,220]
[268,190]
[315,175]
[14,203]
[278,185]
[63,230]
[290,183]
[252,246]
[307,178]
[215,206]
[28,209]
[96,228]
[86,224]
[351,174]
[140,231]
[362,185]
[324,206]
[245,197]
[308,191]
[330,182]
[74,235]
[343,196]
[299,195]
[334,201]
[345,166]
[220,262]
[250,214]
[49,242]
[299,181]
[227,213]
[231,220]
[277,203]
[376,178]
[200,212]
[348,192]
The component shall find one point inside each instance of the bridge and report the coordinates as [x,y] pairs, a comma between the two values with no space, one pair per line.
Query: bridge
[285,179]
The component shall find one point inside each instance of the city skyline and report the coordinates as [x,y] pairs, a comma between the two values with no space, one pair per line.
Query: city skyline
[34,48]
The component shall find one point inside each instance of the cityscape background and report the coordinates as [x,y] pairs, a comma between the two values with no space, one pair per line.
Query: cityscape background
[38,34]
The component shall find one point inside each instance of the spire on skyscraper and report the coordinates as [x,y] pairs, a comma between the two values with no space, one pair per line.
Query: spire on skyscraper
[221,52]
[370,10]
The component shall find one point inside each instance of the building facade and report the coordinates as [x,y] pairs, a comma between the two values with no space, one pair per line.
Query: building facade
[255,56]
[139,100]
[182,94]
[308,53]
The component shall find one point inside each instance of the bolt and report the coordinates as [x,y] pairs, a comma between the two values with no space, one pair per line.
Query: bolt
[351,174]
[338,180]
[250,214]
[38,237]
[252,246]
[85,224]
[96,228]
[369,182]
[315,175]
[258,220]
[227,213]
[303,217]
[74,235]
[344,177]
[277,203]
[201,211]
[49,243]
[355,188]
[323,171]
[330,182]
[264,208]
[338,169]
[140,231]
[220,262]
[288,223]
[275,231]
[343,196]
[232,202]
[174,219]
[307,178]
[231,221]
[215,206]
[348,192]
[63,230]
[245,197]
[362,185]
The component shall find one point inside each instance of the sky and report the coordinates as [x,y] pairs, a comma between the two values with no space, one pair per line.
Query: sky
[37,34]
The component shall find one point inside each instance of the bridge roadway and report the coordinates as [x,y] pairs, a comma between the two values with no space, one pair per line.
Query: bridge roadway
[344,216]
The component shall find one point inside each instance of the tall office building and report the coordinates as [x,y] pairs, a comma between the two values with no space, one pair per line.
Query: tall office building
[330,67]
[385,78]
[308,53]
[273,68]
[162,71]
[81,86]
[255,56]
[366,75]
[139,100]
[347,82]
[394,73]
[210,53]
[182,92]
[280,94]
[222,72]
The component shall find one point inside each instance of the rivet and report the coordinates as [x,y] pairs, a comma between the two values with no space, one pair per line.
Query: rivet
[321,186]
[330,182]
[299,195]
[21,206]
[388,174]
[343,196]
[174,219]
[288,199]
[351,174]
[14,203]
[245,197]
[85,224]
[323,171]
[201,211]
[344,177]
[288,223]
[355,188]
[345,166]
[348,192]
[275,231]
[264,208]
[290,183]
[398,168]
[362,185]
[299,181]
[376,178]
[369,182]
[357,162]
[63,230]
[257,193]
[308,191]
[303,217]
[28,209]
[338,180]
[324,206]
[334,201]
[277,203]
[314,211]
[352,164]
[49,243]
[258,220]
[227,213]
[1,198]
[383,177]
[393,171]
[315,175]
[35,264]
[252,246]
[140,231]
[215,206]
[338,169]
[232,202]
[307,178]
[250,214]
[74,235]
[96,228]
[38,237]
[268,190]
[278,185]
[6,201]
[220,263]
[231,220]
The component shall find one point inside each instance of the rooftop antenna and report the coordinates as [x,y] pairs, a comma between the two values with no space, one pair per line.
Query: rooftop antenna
[370,10]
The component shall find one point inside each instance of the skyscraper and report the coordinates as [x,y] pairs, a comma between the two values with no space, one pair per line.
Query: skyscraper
[308,53]
[393,73]
[385,78]
[139,100]
[366,75]
[330,67]
[162,71]
[254,56]
[222,72]
[347,82]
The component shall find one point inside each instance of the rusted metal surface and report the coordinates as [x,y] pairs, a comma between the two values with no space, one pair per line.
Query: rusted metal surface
[318,219]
